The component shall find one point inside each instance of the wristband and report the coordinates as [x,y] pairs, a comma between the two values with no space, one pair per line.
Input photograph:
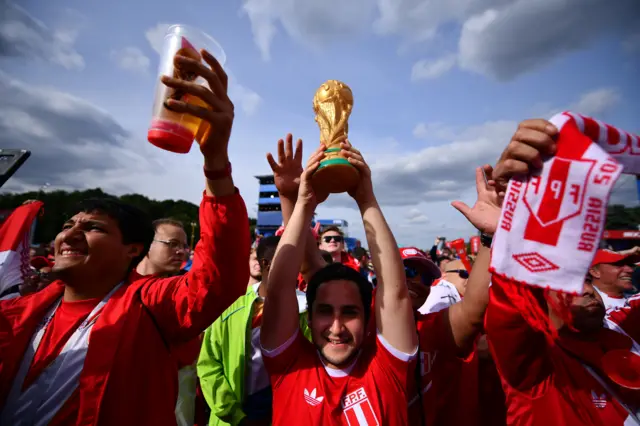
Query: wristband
[218,174]
[486,240]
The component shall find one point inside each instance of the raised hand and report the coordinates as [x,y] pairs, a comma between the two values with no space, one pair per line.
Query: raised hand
[363,192]
[532,140]
[287,171]
[217,114]
[306,193]
[485,213]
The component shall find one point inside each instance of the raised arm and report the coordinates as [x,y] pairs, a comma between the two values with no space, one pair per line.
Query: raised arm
[466,318]
[393,311]
[184,306]
[518,350]
[286,175]
[280,317]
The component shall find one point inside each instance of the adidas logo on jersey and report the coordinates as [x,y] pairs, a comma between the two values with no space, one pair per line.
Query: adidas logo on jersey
[311,398]
[600,401]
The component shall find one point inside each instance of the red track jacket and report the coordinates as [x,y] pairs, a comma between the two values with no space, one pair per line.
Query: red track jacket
[129,376]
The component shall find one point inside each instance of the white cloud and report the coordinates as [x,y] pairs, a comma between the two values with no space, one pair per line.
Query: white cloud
[65,134]
[307,22]
[425,69]
[247,99]
[131,59]
[419,20]
[155,36]
[415,216]
[505,42]
[632,43]
[22,35]
[596,102]
[433,131]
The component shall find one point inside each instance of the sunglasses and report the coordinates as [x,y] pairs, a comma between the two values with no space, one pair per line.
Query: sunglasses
[464,274]
[410,272]
[336,238]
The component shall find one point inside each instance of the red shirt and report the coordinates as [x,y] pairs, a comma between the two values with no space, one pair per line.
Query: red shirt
[373,392]
[449,382]
[66,320]
[546,382]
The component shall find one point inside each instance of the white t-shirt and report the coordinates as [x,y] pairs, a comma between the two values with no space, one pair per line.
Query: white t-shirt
[612,302]
[442,295]
[257,378]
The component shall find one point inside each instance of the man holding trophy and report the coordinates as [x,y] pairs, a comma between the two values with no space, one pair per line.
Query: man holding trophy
[341,376]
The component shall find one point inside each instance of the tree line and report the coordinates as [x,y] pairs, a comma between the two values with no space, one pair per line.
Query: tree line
[60,205]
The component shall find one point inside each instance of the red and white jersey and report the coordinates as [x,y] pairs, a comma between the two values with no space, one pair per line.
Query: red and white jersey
[449,383]
[628,317]
[611,302]
[372,391]
[547,383]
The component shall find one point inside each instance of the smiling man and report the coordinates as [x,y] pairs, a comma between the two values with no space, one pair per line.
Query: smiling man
[95,346]
[611,273]
[340,378]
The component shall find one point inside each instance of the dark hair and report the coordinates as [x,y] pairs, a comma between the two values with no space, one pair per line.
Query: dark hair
[338,271]
[331,228]
[326,256]
[359,252]
[166,221]
[134,224]
[267,248]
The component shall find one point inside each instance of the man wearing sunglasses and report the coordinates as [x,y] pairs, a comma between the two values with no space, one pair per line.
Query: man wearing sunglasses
[332,241]
[447,290]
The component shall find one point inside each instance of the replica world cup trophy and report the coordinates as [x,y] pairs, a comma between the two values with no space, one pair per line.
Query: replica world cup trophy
[332,105]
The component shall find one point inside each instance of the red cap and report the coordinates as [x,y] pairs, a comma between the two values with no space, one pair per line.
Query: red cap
[411,256]
[40,262]
[608,256]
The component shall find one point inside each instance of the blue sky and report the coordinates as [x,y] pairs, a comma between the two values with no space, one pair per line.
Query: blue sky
[439,87]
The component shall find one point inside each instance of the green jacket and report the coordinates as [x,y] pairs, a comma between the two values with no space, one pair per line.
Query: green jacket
[221,365]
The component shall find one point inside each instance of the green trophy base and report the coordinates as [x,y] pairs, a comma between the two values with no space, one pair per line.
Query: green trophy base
[335,175]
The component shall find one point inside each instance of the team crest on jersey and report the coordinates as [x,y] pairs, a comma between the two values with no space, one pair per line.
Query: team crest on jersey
[600,401]
[358,410]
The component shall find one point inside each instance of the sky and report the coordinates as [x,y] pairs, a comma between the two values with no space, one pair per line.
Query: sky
[439,88]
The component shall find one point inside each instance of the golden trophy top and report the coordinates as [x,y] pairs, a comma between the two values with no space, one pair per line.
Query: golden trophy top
[332,104]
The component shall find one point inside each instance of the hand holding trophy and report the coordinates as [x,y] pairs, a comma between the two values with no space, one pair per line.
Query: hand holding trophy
[332,105]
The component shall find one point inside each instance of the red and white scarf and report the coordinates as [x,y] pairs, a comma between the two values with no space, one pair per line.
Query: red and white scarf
[552,220]
[15,236]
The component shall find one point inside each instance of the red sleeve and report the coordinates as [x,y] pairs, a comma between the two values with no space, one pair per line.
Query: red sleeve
[185,306]
[280,361]
[399,365]
[520,352]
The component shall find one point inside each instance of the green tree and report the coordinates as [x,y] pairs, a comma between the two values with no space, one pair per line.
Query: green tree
[621,217]
[60,205]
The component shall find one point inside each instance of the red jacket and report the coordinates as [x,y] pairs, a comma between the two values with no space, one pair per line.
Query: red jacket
[545,382]
[129,376]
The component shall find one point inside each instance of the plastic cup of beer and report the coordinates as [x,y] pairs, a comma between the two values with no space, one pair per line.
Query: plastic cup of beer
[170,130]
